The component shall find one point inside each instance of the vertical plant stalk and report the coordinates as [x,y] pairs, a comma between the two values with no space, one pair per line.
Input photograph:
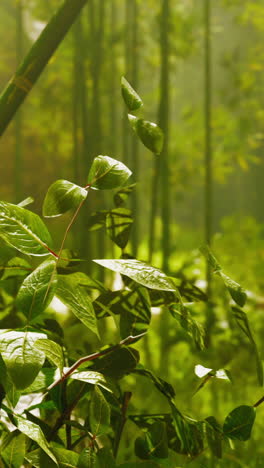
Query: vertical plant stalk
[208,193]
[42,50]
[19,118]
[127,72]
[134,141]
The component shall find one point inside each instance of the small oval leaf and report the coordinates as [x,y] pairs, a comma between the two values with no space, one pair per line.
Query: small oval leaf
[23,230]
[37,290]
[22,359]
[149,133]
[61,197]
[131,98]
[107,173]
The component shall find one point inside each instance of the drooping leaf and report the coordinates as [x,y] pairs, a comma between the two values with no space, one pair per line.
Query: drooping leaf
[99,413]
[13,449]
[122,194]
[78,300]
[238,424]
[131,98]
[189,433]
[61,197]
[140,272]
[23,230]
[22,359]
[37,290]
[236,291]
[15,267]
[214,436]
[118,226]
[164,387]
[34,432]
[154,443]
[191,326]
[149,133]
[135,314]
[107,173]
[242,321]
[52,350]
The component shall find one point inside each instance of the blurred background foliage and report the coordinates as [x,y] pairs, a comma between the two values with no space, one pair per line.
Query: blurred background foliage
[75,112]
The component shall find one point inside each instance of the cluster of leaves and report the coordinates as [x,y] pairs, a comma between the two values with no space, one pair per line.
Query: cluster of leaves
[82,409]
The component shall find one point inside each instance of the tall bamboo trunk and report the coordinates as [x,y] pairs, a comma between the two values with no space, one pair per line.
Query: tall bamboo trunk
[18,168]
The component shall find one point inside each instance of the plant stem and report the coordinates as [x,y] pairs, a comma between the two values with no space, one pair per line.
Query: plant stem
[126,399]
[92,357]
[259,402]
[30,69]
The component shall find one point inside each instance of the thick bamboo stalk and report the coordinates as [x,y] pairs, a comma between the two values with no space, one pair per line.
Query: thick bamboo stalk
[30,69]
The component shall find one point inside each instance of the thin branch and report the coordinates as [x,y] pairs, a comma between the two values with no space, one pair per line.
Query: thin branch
[127,341]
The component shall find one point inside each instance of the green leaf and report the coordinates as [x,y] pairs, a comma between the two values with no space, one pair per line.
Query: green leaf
[131,98]
[242,321]
[154,443]
[107,173]
[238,424]
[118,226]
[96,220]
[65,458]
[164,387]
[27,201]
[37,290]
[34,432]
[214,436]
[21,358]
[99,413]
[78,300]
[87,459]
[23,230]
[237,293]
[15,267]
[15,448]
[140,272]
[202,371]
[121,195]
[135,313]
[149,133]
[61,197]
[91,377]
[189,433]
[53,352]
[182,313]
[210,258]
[117,363]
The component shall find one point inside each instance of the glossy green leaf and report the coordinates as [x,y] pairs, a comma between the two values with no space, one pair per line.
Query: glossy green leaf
[149,133]
[118,226]
[15,448]
[23,230]
[15,267]
[37,290]
[236,291]
[91,377]
[52,350]
[34,432]
[99,415]
[78,300]
[117,363]
[22,359]
[61,197]
[140,272]
[131,98]
[107,173]
[65,458]
[182,313]
[238,424]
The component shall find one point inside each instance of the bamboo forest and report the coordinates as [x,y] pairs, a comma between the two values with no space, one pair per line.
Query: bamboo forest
[131,233]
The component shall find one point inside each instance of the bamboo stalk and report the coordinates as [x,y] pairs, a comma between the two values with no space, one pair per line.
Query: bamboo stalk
[30,69]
